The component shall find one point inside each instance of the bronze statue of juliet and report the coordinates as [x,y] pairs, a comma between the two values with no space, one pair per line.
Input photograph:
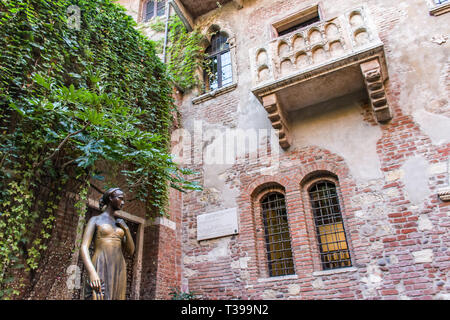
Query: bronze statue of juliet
[107,269]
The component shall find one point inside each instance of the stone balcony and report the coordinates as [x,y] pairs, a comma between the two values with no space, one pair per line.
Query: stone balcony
[320,62]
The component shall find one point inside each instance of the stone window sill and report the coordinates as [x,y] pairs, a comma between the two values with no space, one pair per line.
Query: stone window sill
[271,279]
[212,94]
[440,9]
[335,271]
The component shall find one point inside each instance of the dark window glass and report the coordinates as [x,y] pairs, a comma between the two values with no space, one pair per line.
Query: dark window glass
[149,10]
[302,19]
[154,8]
[278,240]
[333,246]
[299,26]
[160,8]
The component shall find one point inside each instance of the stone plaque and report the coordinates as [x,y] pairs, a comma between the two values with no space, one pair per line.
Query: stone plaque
[217,224]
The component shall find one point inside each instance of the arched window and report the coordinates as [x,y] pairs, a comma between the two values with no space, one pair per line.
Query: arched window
[154,8]
[219,71]
[277,236]
[334,252]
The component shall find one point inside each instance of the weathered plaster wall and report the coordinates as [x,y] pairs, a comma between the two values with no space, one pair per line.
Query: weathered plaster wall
[132,7]
[339,126]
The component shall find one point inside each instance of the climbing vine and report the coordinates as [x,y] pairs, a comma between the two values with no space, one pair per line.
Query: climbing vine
[157,24]
[185,55]
[71,98]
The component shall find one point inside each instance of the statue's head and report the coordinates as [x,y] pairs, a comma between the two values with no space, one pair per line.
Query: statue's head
[113,197]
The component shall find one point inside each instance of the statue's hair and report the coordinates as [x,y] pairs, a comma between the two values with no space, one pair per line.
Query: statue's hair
[104,200]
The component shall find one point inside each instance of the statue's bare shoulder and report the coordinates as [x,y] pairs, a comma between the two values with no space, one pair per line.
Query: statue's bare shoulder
[93,221]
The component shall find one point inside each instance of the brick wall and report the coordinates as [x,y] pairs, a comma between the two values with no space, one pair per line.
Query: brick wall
[384,234]
[396,225]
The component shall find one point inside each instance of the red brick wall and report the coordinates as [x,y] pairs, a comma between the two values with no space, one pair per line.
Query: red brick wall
[161,263]
[382,224]
[218,279]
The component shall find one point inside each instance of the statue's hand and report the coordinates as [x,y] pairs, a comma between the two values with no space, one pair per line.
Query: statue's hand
[95,282]
[122,224]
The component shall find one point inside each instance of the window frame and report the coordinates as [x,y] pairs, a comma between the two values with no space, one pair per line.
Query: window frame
[436,9]
[145,17]
[271,271]
[218,56]
[327,234]
[203,93]
[260,262]
[299,17]
[305,186]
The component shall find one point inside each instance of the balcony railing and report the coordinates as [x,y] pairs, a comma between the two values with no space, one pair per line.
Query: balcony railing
[320,62]
[319,44]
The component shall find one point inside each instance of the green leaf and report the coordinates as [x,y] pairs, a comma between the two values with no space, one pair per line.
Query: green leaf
[19,111]
[39,79]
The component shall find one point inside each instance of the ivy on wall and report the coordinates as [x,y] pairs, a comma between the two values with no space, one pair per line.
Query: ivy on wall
[185,55]
[157,24]
[72,95]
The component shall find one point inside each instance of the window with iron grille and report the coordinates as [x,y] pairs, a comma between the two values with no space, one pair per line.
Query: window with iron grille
[219,70]
[334,252]
[277,237]
[154,8]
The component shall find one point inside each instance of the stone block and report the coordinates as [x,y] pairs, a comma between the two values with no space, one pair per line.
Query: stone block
[423,256]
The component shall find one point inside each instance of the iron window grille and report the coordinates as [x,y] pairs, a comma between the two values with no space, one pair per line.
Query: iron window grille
[334,252]
[218,71]
[277,237]
[154,8]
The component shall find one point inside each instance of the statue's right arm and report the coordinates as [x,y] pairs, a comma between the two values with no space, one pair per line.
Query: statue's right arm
[86,242]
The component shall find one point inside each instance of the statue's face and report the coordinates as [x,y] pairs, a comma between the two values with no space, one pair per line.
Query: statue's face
[117,201]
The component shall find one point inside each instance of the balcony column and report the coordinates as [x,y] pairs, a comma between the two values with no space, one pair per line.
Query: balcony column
[373,78]
[278,119]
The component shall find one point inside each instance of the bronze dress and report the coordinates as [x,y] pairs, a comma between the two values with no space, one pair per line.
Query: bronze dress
[109,262]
